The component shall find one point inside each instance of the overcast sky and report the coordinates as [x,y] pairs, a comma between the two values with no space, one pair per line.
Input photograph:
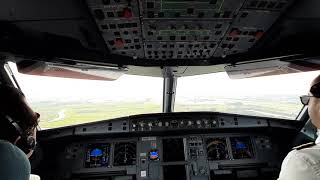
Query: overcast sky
[39,88]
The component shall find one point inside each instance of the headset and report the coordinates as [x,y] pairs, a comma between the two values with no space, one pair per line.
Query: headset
[27,142]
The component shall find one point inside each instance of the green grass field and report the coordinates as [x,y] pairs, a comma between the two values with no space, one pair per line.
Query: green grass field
[84,112]
[79,113]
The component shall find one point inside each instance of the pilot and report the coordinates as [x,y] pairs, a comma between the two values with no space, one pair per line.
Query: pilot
[303,162]
[18,124]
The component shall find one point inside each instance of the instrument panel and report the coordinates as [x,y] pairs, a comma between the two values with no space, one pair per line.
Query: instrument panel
[191,156]
[191,146]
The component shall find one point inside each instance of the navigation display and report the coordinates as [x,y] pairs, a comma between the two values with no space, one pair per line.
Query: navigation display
[241,147]
[97,155]
[217,149]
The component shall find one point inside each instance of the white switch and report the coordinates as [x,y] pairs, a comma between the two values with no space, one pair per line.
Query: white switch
[143,173]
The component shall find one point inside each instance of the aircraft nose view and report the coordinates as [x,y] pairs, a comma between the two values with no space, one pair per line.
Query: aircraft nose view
[159,90]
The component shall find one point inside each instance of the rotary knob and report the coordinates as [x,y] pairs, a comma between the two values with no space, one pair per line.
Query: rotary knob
[214,123]
[141,124]
[202,170]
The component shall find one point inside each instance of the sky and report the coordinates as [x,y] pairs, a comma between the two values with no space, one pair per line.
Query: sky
[41,88]
[131,87]
[220,84]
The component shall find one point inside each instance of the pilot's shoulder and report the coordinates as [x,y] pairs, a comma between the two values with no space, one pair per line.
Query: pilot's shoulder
[303,146]
[308,153]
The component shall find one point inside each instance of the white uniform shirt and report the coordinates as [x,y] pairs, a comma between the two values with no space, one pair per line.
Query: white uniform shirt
[34,177]
[303,164]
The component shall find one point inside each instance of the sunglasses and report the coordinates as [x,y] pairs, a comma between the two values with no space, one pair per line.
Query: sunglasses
[305,99]
[314,90]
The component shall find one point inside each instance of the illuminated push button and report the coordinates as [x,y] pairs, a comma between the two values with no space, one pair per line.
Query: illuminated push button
[198,122]
[234,32]
[127,13]
[150,124]
[259,34]
[160,124]
[119,43]
[143,173]
[189,123]
[166,124]
[153,145]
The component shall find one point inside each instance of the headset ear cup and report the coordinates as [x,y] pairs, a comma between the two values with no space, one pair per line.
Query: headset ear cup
[31,142]
[26,143]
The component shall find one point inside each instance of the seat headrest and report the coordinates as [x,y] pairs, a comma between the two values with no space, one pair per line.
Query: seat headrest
[14,164]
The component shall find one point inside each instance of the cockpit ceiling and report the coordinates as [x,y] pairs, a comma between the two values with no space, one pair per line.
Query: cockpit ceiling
[159,33]
[178,29]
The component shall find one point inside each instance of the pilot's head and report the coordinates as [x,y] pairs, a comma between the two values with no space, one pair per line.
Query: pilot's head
[18,121]
[314,102]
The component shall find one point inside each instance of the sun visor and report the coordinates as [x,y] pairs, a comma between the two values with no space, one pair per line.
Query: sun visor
[270,67]
[75,71]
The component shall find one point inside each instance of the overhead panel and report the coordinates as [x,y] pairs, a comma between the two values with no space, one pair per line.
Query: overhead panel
[246,29]
[120,25]
[251,23]
[180,29]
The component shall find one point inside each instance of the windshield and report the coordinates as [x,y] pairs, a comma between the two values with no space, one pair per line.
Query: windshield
[270,96]
[63,102]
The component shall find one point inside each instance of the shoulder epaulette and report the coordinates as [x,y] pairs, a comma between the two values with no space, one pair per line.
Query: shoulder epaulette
[302,146]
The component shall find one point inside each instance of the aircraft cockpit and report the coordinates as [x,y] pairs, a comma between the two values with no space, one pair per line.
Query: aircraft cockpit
[162,89]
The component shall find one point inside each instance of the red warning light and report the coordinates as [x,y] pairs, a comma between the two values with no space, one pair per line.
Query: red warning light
[127,13]
[259,34]
[119,43]
[234,32]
